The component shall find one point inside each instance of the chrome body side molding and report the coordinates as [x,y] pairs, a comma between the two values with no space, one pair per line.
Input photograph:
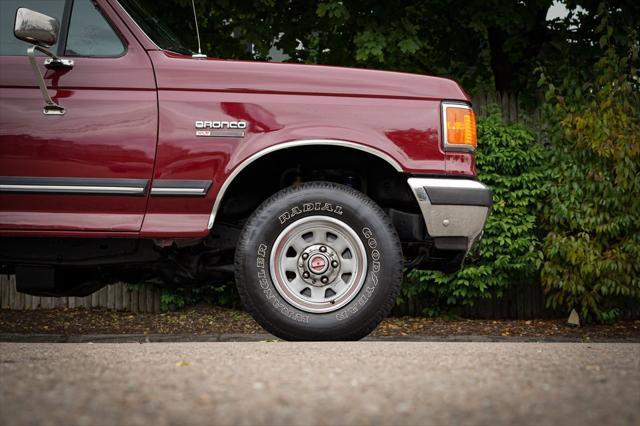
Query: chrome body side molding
[180,187]
[68,185]
[295,144]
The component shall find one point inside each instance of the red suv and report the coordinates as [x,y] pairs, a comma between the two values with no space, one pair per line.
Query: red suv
[123,156]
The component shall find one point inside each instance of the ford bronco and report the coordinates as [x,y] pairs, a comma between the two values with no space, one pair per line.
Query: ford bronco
[124,156]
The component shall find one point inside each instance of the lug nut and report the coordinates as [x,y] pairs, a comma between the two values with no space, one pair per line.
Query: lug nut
[305,255]
[323,249]
[324,280]
[305,274]
[334,263]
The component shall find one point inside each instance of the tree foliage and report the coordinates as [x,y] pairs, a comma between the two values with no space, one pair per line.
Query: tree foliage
[592,214]
[488,45]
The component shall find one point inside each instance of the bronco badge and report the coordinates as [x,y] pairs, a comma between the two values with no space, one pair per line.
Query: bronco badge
[221,129]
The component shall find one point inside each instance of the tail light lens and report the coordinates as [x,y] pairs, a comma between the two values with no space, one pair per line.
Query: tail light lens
[459,127]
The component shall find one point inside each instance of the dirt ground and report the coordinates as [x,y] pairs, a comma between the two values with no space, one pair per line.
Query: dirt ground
[204,319]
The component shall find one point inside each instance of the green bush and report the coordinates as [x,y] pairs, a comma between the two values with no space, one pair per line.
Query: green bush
[592,214]
[217,294]
[510,161]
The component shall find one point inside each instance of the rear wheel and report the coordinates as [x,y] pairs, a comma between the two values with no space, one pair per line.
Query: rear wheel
[320,261]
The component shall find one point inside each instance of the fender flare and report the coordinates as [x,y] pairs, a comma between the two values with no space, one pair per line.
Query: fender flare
[294,144]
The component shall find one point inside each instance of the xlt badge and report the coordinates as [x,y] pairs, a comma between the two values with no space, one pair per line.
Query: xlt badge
[221,129]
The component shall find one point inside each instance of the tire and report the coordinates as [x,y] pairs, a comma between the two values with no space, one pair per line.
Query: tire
[320,261]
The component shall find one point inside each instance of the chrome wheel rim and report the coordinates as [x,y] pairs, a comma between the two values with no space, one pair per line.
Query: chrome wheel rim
[318,264]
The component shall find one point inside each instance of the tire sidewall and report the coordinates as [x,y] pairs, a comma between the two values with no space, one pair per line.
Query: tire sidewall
[352,208]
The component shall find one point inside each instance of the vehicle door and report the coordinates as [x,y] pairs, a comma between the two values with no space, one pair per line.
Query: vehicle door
[88,169]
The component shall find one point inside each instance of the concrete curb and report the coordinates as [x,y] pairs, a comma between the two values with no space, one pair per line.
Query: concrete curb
[154,338]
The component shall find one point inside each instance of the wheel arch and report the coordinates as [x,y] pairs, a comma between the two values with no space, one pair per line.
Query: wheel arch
[291,145]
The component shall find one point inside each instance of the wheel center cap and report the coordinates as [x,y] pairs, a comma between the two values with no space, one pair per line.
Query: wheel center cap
[318,264]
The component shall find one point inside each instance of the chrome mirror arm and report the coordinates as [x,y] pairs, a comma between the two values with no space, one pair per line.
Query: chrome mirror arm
[50,107]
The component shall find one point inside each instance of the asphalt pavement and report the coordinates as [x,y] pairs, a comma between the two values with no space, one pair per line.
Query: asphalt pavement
[320,383]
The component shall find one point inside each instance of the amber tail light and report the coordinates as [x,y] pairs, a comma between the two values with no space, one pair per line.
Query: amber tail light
[459,127]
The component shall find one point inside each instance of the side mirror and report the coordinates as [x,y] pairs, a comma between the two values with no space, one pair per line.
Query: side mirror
[36,28]
[41,31]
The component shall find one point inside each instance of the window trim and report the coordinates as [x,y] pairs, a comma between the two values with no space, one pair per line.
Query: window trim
[64,27]
[121,10]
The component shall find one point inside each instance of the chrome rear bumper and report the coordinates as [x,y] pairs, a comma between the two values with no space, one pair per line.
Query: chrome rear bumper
[452,207]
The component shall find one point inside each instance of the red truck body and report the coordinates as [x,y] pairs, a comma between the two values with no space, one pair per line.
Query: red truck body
[135,156]
[132,118]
